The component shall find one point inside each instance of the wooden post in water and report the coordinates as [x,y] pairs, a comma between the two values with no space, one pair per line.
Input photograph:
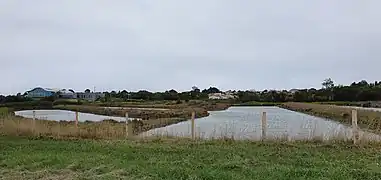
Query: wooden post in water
[193,127]
[264,125]
[76,119]
[355,127]
[34,122]
[34,115]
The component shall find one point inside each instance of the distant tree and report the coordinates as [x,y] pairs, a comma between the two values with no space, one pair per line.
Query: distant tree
[211,90]
[172,91]
[328,83]
[2,99]
[363,83]
[87,91]
[71,90]
[171,95]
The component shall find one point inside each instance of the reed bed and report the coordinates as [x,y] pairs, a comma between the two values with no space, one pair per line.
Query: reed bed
[106,129]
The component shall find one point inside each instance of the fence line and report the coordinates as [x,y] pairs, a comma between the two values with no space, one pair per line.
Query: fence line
[131,128]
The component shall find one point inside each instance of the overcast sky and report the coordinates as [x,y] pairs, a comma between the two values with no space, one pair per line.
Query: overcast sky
[165,44]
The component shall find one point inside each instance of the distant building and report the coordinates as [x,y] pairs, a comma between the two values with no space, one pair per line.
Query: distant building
[293,91]
[90,96]
[67,93]
[40,92]
[228,95]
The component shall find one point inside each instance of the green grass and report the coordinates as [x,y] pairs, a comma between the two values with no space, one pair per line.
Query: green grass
[4,111]
[177,159]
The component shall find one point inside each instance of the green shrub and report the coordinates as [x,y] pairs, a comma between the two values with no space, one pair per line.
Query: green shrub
[27,105]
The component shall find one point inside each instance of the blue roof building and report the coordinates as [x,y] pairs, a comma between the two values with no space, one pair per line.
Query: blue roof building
[41,92]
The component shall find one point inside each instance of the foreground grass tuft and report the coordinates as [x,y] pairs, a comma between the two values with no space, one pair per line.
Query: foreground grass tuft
[22,158]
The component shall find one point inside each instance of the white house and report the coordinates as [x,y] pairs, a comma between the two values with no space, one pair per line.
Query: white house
[90,96]
[222,96]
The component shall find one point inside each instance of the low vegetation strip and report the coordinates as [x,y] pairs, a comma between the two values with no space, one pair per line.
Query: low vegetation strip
[370,120]
[135,113]
[374,104]
[175,159]
[255,103]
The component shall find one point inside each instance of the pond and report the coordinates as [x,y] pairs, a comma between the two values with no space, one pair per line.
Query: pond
[245,123]
[58,115]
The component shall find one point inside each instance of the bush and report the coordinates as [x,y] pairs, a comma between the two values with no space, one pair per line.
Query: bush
[67,102]
[17,106]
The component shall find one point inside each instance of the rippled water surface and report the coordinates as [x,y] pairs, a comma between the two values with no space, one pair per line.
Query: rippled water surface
[245,123]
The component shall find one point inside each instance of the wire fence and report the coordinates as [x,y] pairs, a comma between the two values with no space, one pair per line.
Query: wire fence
[263,124]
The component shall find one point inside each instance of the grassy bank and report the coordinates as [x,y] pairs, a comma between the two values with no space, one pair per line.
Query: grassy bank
[366,119]
[374,104]
[207,105]
[149,110]
[137,109]
[255,103]
[136,112]
[182,159]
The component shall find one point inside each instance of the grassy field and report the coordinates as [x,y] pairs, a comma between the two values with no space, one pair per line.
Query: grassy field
[177,159]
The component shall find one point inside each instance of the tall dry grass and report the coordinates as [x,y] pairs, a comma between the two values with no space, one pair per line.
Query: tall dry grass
[17,126]
[106,129]
[367,119]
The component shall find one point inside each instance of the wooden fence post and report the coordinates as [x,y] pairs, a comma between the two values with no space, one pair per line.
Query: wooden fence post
[193,126]
[76,119]
[355,127]
[127,125]
[34,122]
[264,125]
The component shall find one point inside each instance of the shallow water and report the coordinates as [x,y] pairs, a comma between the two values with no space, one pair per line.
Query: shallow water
[245,123]
[58,115]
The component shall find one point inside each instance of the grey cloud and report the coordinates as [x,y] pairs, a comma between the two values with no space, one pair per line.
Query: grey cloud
[160,45]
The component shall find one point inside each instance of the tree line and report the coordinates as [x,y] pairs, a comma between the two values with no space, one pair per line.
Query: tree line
[357,91]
